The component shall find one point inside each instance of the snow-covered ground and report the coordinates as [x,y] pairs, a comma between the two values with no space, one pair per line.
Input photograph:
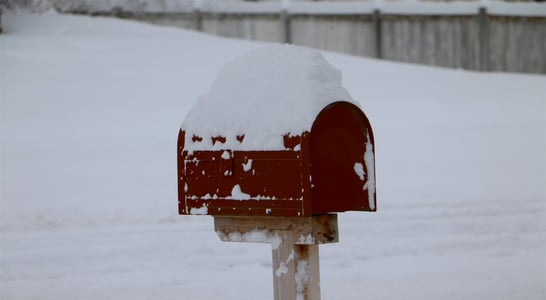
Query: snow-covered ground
[90,111]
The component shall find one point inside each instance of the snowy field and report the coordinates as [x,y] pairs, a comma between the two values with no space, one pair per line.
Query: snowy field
[90,111]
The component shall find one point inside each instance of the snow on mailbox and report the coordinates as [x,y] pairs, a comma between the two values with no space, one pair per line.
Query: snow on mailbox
[277,135]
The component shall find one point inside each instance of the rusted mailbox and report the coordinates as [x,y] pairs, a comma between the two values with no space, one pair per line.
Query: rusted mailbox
[327,169]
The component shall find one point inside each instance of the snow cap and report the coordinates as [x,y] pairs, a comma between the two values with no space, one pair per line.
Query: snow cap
[264,95]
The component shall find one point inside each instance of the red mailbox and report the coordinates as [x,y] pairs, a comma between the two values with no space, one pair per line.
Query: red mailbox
[329,169]
[228,164]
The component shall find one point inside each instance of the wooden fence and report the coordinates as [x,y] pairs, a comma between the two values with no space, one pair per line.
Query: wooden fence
[498,37]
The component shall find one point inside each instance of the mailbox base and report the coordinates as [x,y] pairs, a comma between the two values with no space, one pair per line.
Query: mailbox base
[295,243]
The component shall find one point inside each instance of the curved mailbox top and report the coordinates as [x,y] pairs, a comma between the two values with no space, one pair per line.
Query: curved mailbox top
[281,147]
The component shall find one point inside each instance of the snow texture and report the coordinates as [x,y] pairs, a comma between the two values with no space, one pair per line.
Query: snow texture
[200,211]
[369,160]
[264,95]
[306,240]
[90,111]
[226,155]
[359,170]
[237,194]
[255,236]
[247,166]
[302,278]
[282,269]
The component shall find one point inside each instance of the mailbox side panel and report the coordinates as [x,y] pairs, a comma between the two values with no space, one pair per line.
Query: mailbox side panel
[342,160]
[240,183]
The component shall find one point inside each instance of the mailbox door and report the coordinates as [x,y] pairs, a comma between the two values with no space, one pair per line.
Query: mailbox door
[342,160]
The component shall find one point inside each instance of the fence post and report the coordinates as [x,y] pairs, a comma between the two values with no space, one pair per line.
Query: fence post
[198,19]
[377,24]
[286,26]
[483,20]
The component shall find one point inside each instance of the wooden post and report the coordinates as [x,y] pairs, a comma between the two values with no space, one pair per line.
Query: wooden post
[296,272]
[295,244]
[284,267]
[307,272]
